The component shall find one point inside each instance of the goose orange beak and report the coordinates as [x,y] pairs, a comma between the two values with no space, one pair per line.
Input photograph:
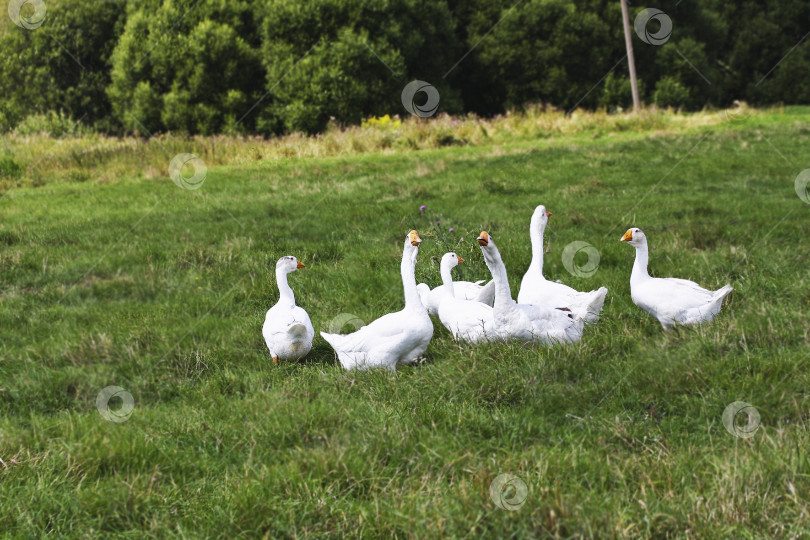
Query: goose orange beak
[548,214]
[460,260]
[483,239]
[300,265]
[415,240]
[627,236]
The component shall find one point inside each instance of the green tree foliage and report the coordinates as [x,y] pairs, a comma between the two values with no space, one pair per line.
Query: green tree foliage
[617,92]
[272,66]
[350,59]
[61,66]
[545,50]
[187,65]
[669,92]
[767,56]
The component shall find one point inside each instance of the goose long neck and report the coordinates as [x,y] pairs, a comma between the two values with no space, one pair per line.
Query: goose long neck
[447,277]
[503,293]
[285,293]
[536,234]
[640,265]
[407,268]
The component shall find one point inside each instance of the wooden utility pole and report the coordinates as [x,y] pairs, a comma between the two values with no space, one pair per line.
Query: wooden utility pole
[631,61]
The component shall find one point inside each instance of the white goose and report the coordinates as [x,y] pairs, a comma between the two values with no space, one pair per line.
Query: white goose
[670,300]
[467,320]
[395,338]
[287,329]
[466,290]
[536,289]
[525,322]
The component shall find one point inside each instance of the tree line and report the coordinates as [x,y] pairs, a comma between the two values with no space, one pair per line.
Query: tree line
[275,66]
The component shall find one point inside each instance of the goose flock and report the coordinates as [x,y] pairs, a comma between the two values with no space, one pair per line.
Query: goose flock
[546,312]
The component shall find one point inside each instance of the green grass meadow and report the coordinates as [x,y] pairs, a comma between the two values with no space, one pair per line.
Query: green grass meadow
[135,282]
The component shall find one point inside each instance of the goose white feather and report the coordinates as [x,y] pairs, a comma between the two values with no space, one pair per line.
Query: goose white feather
[465,290]
[536,289]
[395,338]
[525,322]
[467,320]
[287,329]
[672,301]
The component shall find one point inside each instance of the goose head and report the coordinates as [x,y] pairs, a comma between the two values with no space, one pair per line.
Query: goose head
[411,249]
[288,264]
[413,239]
[451,260]
[488,248]
[484,239]
[635,237]
[540,218]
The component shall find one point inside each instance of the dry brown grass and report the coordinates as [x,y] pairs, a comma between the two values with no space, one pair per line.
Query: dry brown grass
[44,159]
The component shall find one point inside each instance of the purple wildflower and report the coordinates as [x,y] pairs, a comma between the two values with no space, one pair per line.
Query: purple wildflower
[451,229]
[422,208]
